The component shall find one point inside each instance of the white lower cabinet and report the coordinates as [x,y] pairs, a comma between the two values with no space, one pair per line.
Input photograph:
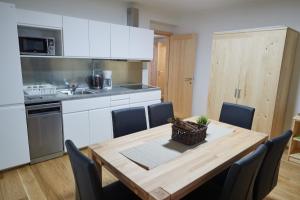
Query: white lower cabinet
[89,121]
[100,125]
[14,148]
[77,128]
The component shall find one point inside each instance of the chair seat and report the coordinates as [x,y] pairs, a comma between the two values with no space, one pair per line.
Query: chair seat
[118,190]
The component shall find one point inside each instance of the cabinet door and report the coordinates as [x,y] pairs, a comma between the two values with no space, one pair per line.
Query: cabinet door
[225,71]
[100,125]
[262,55]
[99,38]
[119,41]
[141,43]
[14,148]
[11,84]
[76,37]
[77,128]
[33,18]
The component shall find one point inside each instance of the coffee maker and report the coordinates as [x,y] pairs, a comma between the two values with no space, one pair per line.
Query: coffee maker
[107,81]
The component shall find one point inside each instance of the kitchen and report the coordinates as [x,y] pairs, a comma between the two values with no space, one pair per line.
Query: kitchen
[156,99]
[69,92]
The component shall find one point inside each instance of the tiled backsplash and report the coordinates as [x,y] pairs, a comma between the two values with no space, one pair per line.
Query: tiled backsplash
[55,70]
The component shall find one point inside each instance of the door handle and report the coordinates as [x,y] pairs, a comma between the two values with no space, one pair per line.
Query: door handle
[188,79]
[235,92]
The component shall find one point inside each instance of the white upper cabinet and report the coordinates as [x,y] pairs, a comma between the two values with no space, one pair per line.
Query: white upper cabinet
[89,38]
[76,37]
[33,18]
[11,84]
[99,38]
[119,41]
[141,43]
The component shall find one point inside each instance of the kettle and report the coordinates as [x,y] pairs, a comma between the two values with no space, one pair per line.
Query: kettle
[96,78]
[97,81]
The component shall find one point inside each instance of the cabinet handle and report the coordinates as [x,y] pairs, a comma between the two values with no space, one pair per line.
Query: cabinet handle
[235,92]
[239,93]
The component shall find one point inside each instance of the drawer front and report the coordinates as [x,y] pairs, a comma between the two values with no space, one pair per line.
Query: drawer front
[145,96]
[119,97]
[119,102]
[85,104]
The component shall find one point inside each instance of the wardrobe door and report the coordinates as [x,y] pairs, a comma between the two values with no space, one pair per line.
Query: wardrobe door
[262,56]
[225,70]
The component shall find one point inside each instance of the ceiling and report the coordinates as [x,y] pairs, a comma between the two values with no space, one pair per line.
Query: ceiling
[183,6]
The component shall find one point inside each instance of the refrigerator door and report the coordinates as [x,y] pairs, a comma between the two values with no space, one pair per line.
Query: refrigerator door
[14,148]
[11,85]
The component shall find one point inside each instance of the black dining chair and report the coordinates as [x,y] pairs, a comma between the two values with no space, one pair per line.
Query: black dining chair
[128,120]
[87,180]
[160,113]
[268,174]
[239,182]
[237,115]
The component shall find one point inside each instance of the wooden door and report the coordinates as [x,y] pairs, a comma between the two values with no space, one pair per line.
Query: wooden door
[181,73]
[158,68]
[260,71]
[224,75]
[152,69]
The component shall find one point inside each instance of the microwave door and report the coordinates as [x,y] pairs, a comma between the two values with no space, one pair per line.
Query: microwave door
[36,46]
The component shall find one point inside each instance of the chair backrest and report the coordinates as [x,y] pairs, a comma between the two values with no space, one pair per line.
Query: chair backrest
[241,176]
[268,174]
[160,113]
[87,180]
[128,120]
[237,115]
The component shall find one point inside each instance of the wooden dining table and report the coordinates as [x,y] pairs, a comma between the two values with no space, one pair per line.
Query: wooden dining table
[179,176]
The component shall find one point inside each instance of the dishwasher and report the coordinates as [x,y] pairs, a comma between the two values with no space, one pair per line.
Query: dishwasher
[45,131]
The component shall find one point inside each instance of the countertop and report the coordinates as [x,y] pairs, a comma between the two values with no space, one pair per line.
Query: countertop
[116,90]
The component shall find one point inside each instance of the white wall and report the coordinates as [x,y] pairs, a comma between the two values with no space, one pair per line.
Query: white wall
[273,13]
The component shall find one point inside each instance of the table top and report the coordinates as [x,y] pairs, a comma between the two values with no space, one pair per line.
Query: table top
[178,177]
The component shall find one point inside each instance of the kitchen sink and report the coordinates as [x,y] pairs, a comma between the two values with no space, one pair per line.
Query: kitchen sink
[77,92]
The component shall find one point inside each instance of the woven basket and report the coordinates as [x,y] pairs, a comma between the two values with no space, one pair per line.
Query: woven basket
[189,137]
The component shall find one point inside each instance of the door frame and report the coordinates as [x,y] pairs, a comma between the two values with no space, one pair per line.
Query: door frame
[168,37]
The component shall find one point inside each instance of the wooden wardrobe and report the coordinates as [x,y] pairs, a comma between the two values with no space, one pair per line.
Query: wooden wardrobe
[254,68]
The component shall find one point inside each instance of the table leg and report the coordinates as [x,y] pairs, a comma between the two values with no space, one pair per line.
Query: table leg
[98,166]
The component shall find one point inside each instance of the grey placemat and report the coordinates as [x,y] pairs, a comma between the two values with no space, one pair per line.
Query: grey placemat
[162,150]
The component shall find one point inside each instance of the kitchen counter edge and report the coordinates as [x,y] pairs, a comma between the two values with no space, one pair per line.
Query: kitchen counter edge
[63,97]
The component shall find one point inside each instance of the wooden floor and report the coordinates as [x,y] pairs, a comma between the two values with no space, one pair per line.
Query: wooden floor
[54,180]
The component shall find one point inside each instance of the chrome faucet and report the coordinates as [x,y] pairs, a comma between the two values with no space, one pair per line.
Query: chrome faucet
[71,86]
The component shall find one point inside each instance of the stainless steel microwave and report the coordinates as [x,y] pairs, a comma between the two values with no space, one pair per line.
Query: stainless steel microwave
[37,46]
